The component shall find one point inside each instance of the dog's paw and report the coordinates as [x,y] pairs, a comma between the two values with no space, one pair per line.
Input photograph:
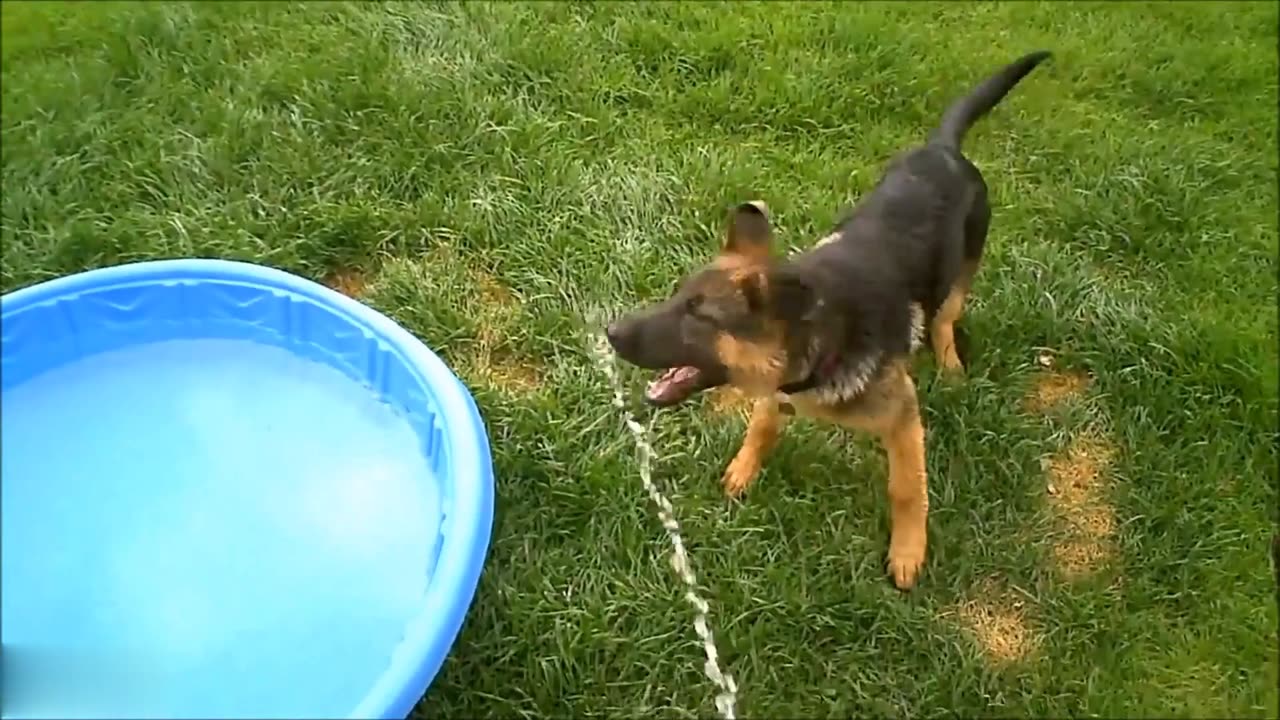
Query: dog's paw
[949,363]
[740,473]
[952,372]
[906,558]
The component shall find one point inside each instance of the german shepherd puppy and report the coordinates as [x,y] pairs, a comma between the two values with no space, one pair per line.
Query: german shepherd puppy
[827,334]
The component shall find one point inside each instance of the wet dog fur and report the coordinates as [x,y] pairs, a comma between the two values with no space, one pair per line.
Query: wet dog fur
[828,334]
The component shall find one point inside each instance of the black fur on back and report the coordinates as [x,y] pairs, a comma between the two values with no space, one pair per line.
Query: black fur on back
[919,231]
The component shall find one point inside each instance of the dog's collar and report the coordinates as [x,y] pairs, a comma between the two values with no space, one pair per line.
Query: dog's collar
[822,370]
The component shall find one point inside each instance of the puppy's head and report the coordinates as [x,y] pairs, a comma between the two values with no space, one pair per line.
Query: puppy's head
[733,321]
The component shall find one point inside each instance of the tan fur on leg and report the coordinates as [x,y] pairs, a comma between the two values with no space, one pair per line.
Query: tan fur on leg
[762,435]
[942,330]
[908,498]
[890,410]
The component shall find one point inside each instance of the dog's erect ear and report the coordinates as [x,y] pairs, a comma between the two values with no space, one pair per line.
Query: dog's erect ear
[749,231]
[792,298]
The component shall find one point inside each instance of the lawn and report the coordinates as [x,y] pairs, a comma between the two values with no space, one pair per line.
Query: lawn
[490,175]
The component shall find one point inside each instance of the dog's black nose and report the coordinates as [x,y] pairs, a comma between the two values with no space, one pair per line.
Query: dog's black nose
[618,335]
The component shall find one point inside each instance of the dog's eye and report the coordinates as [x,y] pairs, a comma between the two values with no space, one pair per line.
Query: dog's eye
[692,304]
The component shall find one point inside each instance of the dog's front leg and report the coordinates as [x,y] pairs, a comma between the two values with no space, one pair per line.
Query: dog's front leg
[762,435]
[903,441]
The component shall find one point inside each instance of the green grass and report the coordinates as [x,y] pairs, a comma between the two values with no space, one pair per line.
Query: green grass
[579,157]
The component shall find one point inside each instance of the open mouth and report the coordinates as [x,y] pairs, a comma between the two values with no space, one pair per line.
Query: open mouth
[675,385]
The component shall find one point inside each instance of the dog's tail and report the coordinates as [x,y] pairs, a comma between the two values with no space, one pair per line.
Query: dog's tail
[965,112]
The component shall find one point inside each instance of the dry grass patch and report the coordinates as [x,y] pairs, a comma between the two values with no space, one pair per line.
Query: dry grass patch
[501,372]
[1077,493]
[1054,388]
[444,288]
[348,281]
[489,363]
[496,299]
[491,366]
[1080,555]
[1075,472]
[997,623]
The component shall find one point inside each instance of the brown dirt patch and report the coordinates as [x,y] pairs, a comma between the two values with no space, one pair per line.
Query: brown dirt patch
[997,622]
[1054,388]
[349,282]
[1077,493]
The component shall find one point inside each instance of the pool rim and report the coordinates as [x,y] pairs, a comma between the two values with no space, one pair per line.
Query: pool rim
[466,527]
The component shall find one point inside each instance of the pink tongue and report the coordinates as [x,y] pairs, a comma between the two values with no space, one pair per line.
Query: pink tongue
[669,381]
[684,374]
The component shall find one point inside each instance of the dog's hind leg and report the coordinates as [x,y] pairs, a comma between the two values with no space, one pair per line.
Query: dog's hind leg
[942,329]
[942,325]
[763,430]
[976,224]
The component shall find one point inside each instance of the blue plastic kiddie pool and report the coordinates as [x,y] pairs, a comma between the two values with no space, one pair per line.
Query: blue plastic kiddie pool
[229,492]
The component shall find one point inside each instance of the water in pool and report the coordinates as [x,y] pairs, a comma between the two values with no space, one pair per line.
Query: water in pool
[206,529]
